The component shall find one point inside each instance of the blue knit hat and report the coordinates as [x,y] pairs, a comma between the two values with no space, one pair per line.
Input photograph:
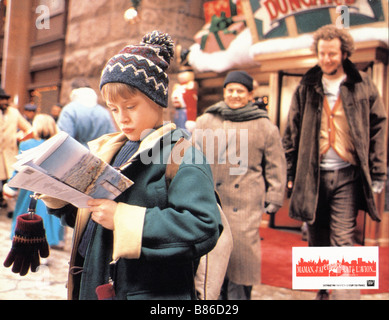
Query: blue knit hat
[143,66]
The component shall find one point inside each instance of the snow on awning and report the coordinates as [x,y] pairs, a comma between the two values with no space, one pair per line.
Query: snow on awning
[241,51]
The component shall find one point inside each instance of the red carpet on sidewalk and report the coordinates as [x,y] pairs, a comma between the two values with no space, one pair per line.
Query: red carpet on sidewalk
[276,248]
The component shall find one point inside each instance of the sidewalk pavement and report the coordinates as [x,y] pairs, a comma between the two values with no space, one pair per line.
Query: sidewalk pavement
[49,282]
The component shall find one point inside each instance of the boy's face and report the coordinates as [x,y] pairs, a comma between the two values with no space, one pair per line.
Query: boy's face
[134,114]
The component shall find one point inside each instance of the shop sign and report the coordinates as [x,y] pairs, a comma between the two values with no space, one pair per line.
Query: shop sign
[270,17]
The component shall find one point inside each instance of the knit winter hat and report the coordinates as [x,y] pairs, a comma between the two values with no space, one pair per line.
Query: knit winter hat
[143,66]
[241,77]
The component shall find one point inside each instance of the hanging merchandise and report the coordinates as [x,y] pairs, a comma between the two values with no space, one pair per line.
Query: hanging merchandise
[29,242]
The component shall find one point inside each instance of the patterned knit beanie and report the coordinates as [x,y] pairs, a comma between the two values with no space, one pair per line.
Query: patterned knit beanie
[143,66]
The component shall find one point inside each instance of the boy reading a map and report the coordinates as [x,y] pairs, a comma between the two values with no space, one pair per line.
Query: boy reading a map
[146,242]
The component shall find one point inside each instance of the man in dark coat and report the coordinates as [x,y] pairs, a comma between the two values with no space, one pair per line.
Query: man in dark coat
[334,143]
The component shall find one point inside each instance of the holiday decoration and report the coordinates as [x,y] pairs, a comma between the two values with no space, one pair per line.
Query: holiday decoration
[224,21]
[184,94]
[132,15]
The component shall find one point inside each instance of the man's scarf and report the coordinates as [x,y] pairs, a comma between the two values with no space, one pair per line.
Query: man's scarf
[247,113]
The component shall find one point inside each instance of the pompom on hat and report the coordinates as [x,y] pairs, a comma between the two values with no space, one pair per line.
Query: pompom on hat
[143,66]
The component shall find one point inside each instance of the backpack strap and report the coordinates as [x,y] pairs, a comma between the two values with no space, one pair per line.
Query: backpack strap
[212,267]
[175,159]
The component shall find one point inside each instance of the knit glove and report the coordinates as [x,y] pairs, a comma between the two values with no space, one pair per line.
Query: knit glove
[28,244]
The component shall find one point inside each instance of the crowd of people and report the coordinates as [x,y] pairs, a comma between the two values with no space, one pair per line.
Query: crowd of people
[146,244]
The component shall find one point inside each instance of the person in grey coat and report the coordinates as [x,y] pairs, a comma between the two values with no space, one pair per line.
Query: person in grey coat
[335,144]
[83,118]
[249,168]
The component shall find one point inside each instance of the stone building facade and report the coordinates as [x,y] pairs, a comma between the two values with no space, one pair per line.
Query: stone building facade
[77,40]
[96,30]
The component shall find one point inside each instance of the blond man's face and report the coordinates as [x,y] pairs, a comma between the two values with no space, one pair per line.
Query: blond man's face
[330,56]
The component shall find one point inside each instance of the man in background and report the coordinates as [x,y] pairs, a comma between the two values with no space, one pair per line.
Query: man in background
[248,186]
[83,118]
[13,128]
[335,144]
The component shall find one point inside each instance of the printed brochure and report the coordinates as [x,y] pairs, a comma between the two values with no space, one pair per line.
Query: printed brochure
[63,168]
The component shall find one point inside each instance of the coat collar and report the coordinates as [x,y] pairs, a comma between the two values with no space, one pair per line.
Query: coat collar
[108,145]
[150,141]
[314,75]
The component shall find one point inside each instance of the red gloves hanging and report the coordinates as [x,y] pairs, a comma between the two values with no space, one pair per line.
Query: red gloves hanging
[28,244]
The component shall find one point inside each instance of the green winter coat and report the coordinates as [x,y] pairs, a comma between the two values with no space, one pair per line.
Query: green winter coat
[159,234]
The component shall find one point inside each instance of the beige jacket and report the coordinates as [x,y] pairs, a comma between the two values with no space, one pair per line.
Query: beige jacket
[10,122]
[249,169]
